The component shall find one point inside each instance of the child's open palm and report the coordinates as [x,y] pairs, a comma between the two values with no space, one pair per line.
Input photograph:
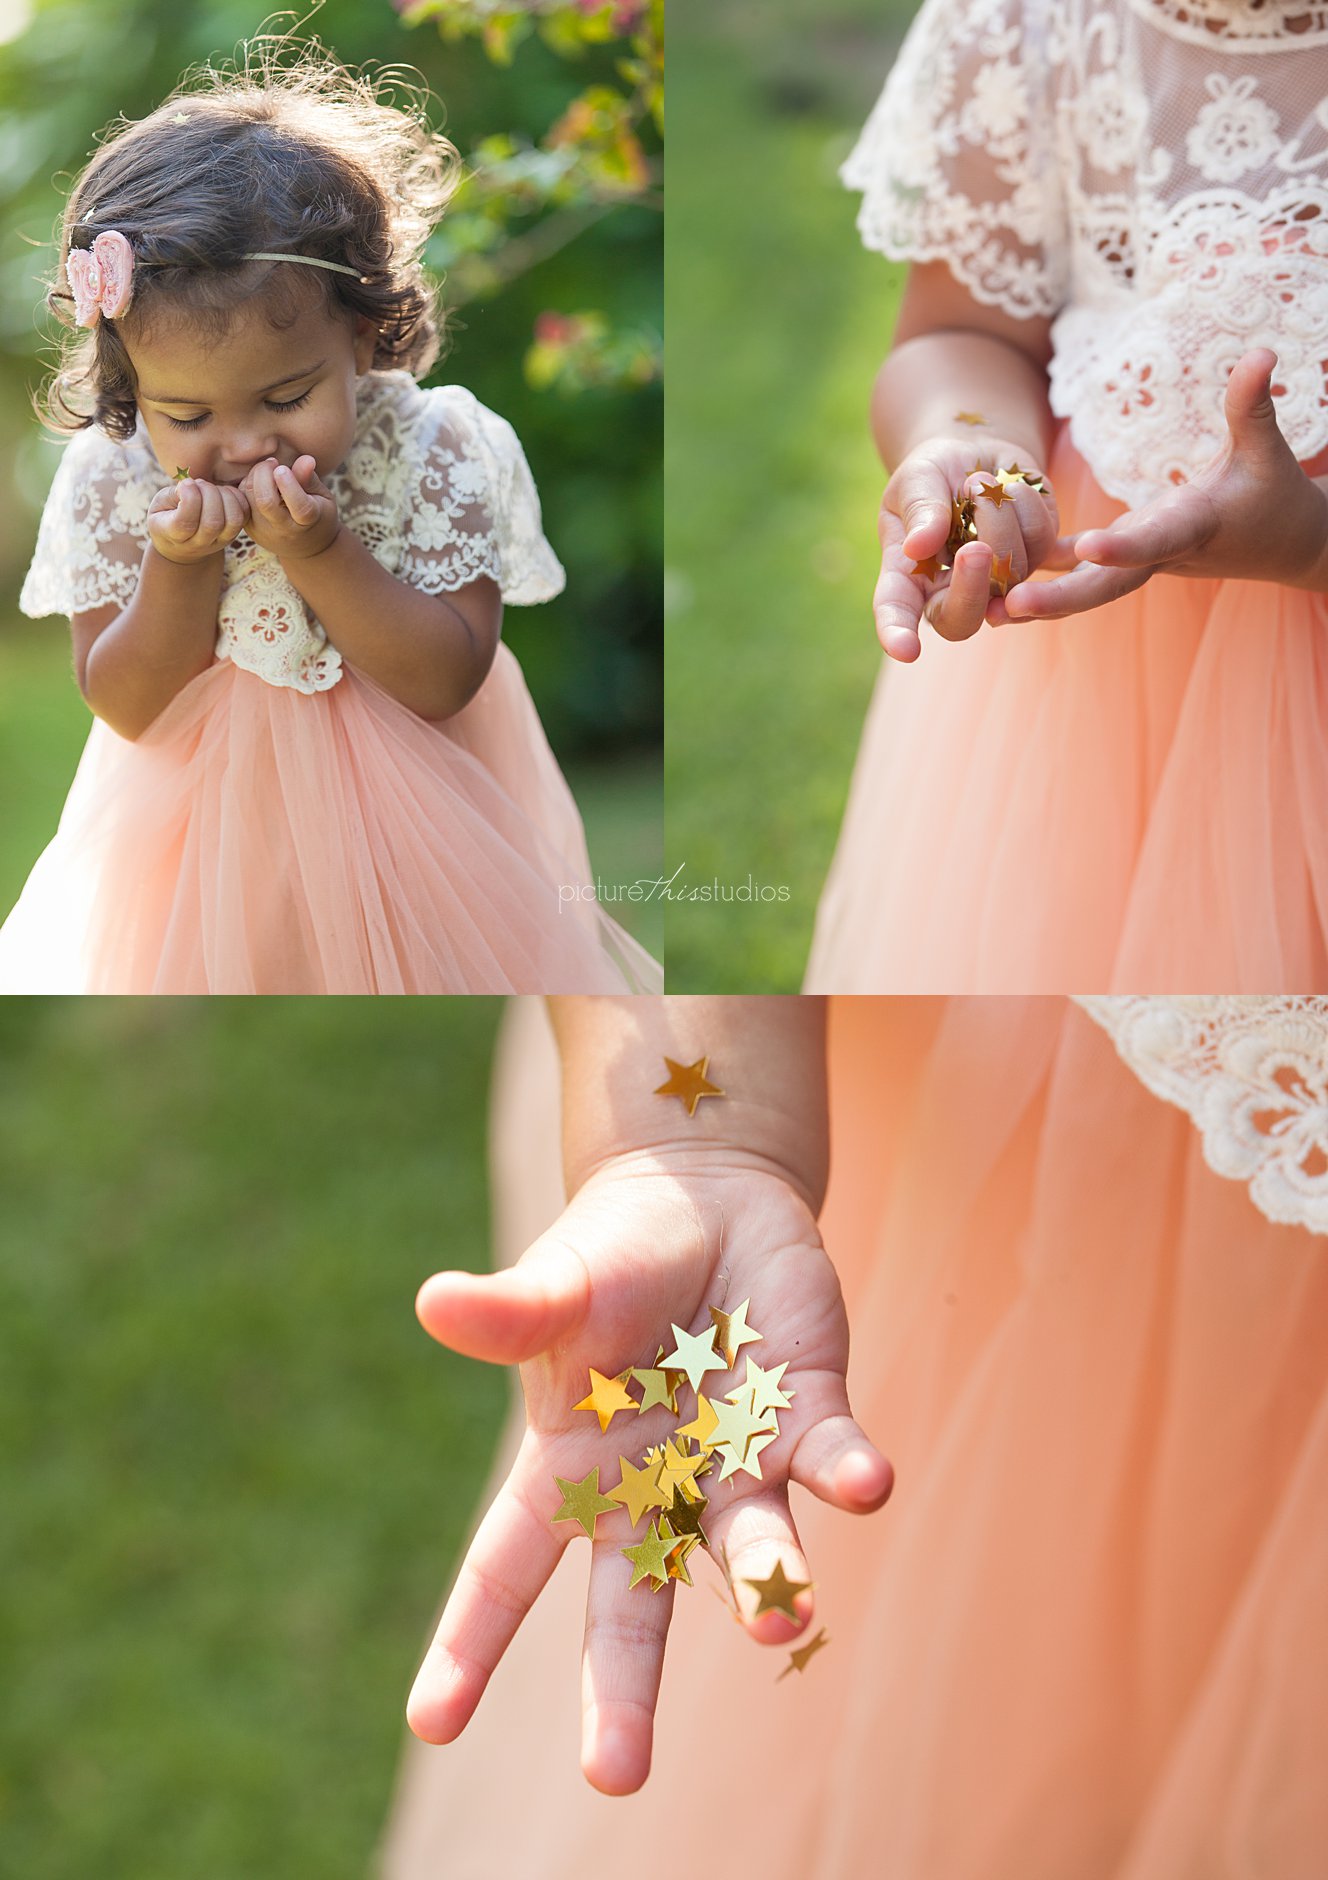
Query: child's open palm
[639,1248]
[1016,525]
[292,512]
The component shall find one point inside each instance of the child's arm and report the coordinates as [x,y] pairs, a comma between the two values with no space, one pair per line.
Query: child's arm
[432,652]
[1252,513]
[131,662]
[669,1215]
[953,355]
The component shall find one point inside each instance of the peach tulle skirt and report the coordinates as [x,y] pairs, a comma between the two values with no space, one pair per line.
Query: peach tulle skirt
[1086,1637]
[256,840]
[1130,800]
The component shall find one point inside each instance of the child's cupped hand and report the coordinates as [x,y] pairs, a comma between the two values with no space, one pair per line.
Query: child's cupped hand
[1250,513]
[292,512]
[639,1248]
[193,520]
[1016,526]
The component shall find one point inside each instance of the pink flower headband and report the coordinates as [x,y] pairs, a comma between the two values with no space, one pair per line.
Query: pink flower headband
[101,278]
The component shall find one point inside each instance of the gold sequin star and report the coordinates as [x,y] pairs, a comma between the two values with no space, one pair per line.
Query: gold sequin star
[764,1387]
[996,494]
[1002,575]
[179,473]
[732,1332]
[583,1502]
[702,1427]
[778,1592]
[608,1395]
[639,1489]
[749,1463]
[689,1083]
[650,1556]
[969,417]
[695,1354]
[658,1388]
[798,1659]
[931,566]
[677,1565]
[736,1424]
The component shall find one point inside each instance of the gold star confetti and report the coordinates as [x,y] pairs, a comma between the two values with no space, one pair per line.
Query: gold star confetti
[659,1389]
[732,1332]
[764,1387]
[689,1083]
[1002,575]
[969,417]
[778,1592]
[701,1428]
[650,1556]
[180,118]
[695,1354]
[179,473]
[996,494]
[583,1502]
[799,1659]
[677,1565]
[749,1462]
[608,1395]
[678,1470]
[931,566]
[639,1488]
[736,1424]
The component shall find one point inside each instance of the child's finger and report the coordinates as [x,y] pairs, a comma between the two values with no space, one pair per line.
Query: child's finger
[920,496]
[504,1571]
[960,609]
[837,1461]
[263,493]
[754,1536]
[235,509]
[1080,591]
[302,507]
[897,606]
[998,525]
[1150,538]
[512,1315]
[626,1627]
[184,517]
[212,514]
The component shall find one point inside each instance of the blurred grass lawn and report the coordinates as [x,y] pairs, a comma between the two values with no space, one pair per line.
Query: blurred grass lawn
[776,320]
[44,723]
[237,1470]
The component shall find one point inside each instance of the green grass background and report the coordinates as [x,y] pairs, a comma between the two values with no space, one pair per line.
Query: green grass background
[776,322]
[236,1471]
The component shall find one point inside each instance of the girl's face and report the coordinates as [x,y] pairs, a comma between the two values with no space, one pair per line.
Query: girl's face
[218,407]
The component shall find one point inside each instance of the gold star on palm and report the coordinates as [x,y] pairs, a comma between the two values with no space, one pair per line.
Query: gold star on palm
[658,1389]
[702,1426]
[639,1489]
[778,1592]
[1002,575]
[736,1423]
[689,1083]
[749,1462]
[732,1332]
[677,1563]
[608,1395]
[650,1556]
[798,1660]
[764,1387]
[694,1353]
[685,1516]
[677,1469]
[582,1501]
[969,417]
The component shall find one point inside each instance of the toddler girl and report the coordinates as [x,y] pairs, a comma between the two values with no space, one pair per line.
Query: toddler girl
[315,767]
[1117,215]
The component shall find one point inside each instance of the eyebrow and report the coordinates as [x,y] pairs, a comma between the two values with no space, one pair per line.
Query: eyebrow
[168,398]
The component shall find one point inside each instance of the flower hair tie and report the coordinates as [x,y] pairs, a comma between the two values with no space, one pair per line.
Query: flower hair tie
[101,278]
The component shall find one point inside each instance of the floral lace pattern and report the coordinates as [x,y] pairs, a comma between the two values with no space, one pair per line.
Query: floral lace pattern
[435,486]
[1253,1075]
[1132,171]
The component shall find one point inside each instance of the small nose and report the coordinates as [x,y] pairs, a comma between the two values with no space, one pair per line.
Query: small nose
[246,448]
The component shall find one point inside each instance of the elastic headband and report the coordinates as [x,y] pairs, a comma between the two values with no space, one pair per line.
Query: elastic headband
[101,278]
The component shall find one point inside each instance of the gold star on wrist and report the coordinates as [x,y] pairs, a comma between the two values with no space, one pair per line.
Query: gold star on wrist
[608,1395]
[583,1502]
[778,1592]
[689,1083]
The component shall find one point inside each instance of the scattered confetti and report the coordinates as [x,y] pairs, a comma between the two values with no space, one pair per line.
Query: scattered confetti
[689,1083]
[665,1484]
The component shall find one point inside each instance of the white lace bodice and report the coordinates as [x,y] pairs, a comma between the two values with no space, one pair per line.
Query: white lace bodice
[1253,1075]
[1150,174]
[435,486]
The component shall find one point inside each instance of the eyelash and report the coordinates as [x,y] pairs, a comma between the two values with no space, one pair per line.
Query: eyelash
[291,404]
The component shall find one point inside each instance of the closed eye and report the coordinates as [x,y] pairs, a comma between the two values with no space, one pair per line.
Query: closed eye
[273,404]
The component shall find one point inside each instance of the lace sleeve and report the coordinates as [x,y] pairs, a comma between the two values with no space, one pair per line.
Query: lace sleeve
[93,529]
[957,161]
[471,507]
[1252,1073]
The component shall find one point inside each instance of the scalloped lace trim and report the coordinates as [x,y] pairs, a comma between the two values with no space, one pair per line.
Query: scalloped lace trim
[1252,1073]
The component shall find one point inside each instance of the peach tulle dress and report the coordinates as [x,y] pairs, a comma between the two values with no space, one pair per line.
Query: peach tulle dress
[1085,1639]
[285,825]
[1129,799]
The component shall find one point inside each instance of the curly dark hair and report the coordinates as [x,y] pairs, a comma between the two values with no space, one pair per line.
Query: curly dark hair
[290,151]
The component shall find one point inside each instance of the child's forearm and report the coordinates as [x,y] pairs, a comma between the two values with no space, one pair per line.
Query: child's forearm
[432,652]
[164,638]
[928,381]
[766,1054]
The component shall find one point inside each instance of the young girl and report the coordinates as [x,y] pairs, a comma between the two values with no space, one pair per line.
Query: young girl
[1115,333]
[315,766]
[1083,1261]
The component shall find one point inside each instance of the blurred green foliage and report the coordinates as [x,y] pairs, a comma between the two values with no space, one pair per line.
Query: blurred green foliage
[69,67]
[236,1471]
[777,321]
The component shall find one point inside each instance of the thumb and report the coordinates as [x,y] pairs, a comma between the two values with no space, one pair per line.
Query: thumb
[1251,414]
[508,1316]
